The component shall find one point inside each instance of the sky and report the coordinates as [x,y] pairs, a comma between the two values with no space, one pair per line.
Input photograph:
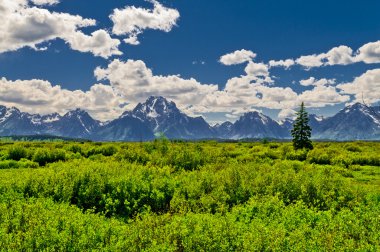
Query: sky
[217,59]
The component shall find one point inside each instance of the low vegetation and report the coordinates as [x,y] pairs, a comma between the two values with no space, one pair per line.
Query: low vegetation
[178,196]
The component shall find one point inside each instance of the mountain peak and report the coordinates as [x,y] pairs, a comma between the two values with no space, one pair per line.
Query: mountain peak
[76,112]
[256,116]
[155,106]
[159,101]
[358,109]
[355,107]
[153,99]
[14,109]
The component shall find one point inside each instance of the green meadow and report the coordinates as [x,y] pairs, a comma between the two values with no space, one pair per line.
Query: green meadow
[182,196]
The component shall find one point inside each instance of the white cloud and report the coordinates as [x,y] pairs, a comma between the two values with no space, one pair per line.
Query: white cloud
[132,21]
[237,57]
[247,92]
[342,55]
[310,61]
[99,43]
[38,96]
[132,40]
[257,69]
[369,53]
[135,81]
[26,26]
[132,82]
[315,82]
[366,86]
[282,63]
[286,113]
[45,2]
[322,96]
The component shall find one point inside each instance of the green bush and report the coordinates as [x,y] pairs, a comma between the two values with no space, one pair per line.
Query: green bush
[45,156]
[17,152]
[75,149]
[319,156]
[185,196]
[106,151]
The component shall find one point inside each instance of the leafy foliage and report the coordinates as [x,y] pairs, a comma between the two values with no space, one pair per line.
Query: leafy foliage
[166,196]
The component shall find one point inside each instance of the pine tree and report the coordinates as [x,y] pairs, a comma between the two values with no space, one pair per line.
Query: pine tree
[301,131]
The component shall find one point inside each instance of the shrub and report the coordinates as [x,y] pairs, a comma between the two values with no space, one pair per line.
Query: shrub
[17,152]
[8,164]
[45,156]
[132,156]
[12,164]
[353,148]
[318,156]
[106,151]
[299,155]
[75,149]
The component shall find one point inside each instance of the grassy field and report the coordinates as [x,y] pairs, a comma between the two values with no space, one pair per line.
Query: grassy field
[164,196]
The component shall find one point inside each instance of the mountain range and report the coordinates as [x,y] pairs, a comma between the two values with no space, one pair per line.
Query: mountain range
[159,116]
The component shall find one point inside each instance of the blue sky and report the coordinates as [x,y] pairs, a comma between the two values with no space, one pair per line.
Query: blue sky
[192,47]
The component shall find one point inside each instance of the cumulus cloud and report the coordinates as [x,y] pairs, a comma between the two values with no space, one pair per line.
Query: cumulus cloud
[322,96]
[310,61]
[26,26]
[342,55]
[286,113]
[369,53]
[132,21]
[237,57]
[99,43]
[38,96]
[366,86]
[132,81]
[247,92]
[282,63]
[256,89]
[315,82]
[135,81]
[45,2]
[257,69]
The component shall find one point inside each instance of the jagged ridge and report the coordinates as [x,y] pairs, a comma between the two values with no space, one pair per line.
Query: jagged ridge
[158,115]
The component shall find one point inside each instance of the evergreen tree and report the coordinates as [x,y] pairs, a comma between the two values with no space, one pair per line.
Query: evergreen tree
[301,131]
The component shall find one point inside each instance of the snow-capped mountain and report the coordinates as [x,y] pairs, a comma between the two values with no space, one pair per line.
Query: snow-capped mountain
[163,116]
[125,128]
[223,130]
[15,122]
[257,125]
[353,122]
[76,124]
[158,115]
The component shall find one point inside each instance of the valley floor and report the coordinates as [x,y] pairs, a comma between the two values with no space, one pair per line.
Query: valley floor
[165,196]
